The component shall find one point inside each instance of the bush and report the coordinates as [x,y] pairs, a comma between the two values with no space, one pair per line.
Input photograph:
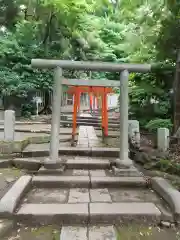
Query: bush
[153,125]
[28,109]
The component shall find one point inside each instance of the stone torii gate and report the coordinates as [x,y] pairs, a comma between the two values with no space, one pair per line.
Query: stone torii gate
[123,69]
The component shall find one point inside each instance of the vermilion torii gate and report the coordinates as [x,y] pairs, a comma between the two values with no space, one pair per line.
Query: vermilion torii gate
[102,92]
[123,69]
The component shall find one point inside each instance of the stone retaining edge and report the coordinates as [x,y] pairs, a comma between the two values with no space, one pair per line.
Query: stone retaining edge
[169,194]
[11,199]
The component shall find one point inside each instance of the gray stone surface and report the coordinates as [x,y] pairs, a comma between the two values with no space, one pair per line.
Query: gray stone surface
[99,182]
[50,213]
[56,172]
[102,233]
[78,195]
[73,233]
[61,181]
[100,195]
[133,195]
[5,163]
[5,227]
[27,163]
[168,193]
[131,172]
[105,152]
[126,163]
[11,199]
[79,172]
[88,163]
[97,173]
[111,212]
[47,195]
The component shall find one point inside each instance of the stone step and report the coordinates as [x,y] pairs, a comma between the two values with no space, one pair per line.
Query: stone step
[115,182]
[87,182]
[89,213]
[61,181]
[88,163]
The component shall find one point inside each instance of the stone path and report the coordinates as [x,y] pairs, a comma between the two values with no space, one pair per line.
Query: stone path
[87,136]
[83,202]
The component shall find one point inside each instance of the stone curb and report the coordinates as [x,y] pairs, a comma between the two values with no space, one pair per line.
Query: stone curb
[10,200]
[25,163]
[61,181]
[169,194]
[85,151]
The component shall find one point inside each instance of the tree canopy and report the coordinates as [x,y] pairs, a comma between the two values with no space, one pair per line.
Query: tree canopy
[103,30]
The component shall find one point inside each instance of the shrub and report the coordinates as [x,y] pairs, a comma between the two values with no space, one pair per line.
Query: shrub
[153,125]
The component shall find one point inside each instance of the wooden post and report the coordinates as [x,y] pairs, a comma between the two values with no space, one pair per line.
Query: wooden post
[105,114]
[103,118]
[74,117]
[91,102]
[78,99]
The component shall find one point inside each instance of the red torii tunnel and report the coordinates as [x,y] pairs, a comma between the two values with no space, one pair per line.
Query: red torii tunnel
[96,91]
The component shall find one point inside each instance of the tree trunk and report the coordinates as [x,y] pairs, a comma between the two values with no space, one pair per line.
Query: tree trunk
[47,108]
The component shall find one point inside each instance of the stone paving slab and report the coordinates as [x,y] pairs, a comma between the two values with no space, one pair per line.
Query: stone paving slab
[61,181]
[79,195]
[100,195]
[102,233]
[111,212]
[51,213]
[74,233]
[99,182]
[97,173]
[80,172]
[133,195]
[47,195]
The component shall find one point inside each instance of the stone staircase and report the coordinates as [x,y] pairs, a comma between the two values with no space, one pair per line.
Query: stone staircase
[86,197]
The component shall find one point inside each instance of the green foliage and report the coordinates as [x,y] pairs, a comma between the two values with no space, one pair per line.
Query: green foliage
[154,124]
[115,31]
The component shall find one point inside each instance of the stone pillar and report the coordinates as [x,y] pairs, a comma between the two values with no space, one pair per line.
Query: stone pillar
[9,125]
[56,112]
[163,139]
[124,115]
[124,161]
[134,133]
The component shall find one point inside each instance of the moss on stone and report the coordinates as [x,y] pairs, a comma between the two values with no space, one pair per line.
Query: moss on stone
[47,229]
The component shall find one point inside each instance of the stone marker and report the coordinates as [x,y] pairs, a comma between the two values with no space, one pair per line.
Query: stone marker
[133,130]
[9,125]
[163,139]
